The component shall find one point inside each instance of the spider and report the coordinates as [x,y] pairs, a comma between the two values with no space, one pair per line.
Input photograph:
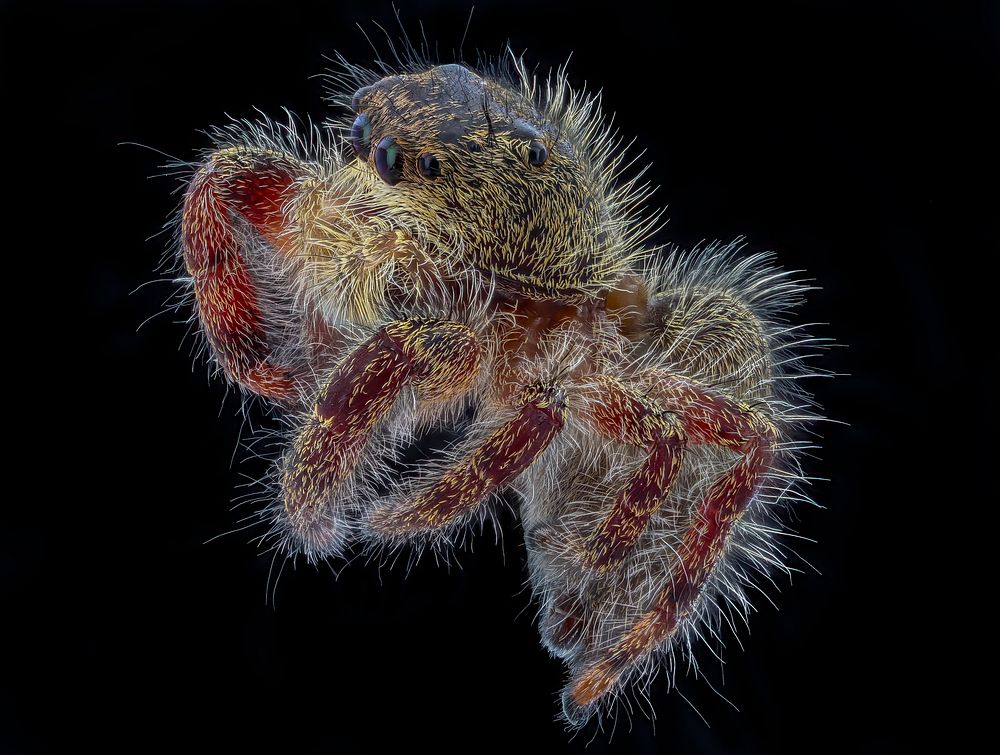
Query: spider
[480,263]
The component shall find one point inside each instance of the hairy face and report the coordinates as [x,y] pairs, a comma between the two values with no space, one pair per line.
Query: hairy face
[479,170]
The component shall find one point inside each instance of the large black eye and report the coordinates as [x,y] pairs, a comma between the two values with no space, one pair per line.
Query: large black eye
[361,136]
[428,166]
[537,153]
[387,161]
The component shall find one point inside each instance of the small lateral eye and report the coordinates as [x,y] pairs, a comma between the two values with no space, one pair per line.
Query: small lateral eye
[387,162]
[361,136]
[537,154]
[428,166]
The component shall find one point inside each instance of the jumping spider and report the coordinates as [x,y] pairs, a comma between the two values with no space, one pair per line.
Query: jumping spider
[479,264]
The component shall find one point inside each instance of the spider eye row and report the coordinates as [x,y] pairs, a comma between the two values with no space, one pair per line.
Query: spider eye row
[387,154]
[387,162]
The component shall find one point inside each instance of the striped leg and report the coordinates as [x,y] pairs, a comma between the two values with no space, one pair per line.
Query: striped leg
[438,359]
[630,417]
[627,416]
[502,456]
[256,185]
[707,417]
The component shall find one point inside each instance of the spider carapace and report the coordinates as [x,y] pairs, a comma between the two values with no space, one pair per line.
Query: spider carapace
[466,250]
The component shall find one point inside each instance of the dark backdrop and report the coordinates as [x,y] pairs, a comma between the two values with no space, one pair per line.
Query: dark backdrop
[851,138]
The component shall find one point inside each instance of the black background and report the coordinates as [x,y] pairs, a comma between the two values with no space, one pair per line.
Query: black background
[851,138]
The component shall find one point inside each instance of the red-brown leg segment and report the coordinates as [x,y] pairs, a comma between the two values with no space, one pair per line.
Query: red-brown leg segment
[628,417]
[506,452]
[437,358]
[255,185]
[708,417]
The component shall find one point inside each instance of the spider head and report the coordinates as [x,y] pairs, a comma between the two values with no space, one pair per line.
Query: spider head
[493,178]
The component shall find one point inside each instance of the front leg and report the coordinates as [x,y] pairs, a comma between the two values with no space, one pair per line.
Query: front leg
[261,187]
[438,359]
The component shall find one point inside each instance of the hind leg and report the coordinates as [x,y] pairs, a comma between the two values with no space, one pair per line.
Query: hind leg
[718,380]
[707,417]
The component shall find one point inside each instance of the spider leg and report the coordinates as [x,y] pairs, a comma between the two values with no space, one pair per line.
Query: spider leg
[707,417]
[438,359]
[505,453]
[625,415]
[257,185]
